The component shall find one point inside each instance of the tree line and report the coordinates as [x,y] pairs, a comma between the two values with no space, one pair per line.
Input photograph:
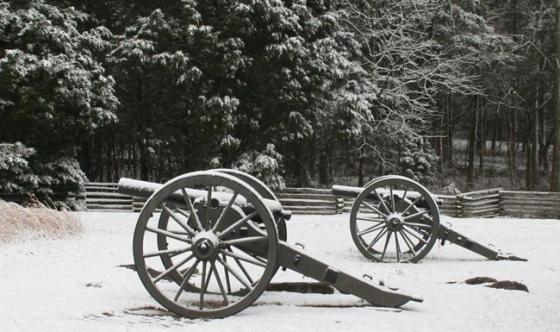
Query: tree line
[293,91]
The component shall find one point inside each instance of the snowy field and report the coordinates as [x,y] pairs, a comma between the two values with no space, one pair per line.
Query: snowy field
[76,284]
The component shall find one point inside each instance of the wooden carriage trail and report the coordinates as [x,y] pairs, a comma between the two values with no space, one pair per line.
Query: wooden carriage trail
[101,196]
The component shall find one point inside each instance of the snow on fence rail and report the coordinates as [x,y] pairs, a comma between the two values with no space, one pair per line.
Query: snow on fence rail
[494,202]
[483,203]
[531,204]
[104,197]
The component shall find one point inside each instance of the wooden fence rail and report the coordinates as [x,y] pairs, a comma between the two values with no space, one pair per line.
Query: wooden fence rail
[482,203]
[104,197]
[495,202]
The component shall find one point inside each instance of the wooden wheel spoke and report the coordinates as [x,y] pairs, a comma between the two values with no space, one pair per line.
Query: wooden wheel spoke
[382,202]
[169,234]
[224,212]
[262,260]
[191,209]
[170,252]
[407,241]
[244,240]
[392,198]
[172,269]
[412,204]
[238,262]
[243,258]
[417,214]
[386,244]
[256,228]
[397,247]
[413,233]
[235,274]
[371,229]
[374,209]
[226,272]
[236,224]
[202,286]
[207,211]
[179,221]
[220,284]
[375,220]
[377,238]
[415,224]
[186,278]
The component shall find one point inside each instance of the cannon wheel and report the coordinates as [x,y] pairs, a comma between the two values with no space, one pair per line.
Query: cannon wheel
[210,285]
[394,219]
[252,181]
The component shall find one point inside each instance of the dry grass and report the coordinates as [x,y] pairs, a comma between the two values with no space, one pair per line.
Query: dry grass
[17,222]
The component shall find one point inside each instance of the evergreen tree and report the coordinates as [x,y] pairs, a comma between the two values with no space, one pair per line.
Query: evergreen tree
[53,89]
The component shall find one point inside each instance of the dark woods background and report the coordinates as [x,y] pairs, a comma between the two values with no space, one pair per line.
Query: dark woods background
[458,93]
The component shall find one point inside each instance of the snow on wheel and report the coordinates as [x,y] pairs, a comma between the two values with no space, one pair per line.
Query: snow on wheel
[197,256]
[394,219]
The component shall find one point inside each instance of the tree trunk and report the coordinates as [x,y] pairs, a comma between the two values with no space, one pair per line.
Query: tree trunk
[532,141]
[495,127]
[512,147]
[543,148]
[555,178]
[481,137]
[441,152]
[361,160]
[534,154]
[472,151]
[450,132]
[324,164]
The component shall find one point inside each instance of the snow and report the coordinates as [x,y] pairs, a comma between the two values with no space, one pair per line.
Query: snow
[76,283]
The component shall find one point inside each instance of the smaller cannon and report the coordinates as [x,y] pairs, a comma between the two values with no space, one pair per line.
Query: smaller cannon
[395,219]
[207,244]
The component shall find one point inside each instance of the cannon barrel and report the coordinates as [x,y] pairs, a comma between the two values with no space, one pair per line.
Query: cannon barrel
[349,191]
[353,192]
[145,189]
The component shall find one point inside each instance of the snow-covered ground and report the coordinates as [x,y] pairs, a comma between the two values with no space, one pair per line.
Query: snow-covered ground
[76,284]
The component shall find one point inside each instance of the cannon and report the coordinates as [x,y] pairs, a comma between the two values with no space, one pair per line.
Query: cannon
[395,219]
[207,244]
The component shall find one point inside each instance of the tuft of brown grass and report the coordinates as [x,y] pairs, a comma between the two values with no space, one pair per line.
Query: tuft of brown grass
[17,222]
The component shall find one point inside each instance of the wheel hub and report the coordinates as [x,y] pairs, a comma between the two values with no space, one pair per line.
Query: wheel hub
[394,222]
[206,246]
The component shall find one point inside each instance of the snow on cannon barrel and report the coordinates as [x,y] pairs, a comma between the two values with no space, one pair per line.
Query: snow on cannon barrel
[207,244]
[395,219]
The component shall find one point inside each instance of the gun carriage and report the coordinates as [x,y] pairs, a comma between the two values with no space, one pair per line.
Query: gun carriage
[395,219]
[207,244]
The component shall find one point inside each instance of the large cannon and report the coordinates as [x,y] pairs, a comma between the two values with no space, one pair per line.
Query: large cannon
[395,219]
[207,244]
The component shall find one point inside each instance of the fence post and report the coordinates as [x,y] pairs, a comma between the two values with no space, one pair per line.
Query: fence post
[458,206]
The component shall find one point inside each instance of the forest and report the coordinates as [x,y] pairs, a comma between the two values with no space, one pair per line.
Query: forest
[457,94]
